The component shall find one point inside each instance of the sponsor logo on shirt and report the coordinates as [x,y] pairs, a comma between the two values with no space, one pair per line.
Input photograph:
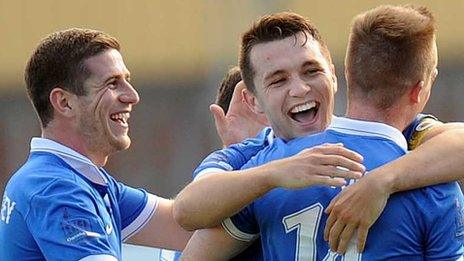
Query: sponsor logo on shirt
[7,208]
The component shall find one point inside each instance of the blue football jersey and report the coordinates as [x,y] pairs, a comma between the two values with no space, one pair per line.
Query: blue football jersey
[422,224]
[236,155]
[60,206]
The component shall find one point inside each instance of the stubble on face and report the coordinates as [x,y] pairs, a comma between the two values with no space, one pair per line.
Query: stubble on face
[293,74]
[101,134]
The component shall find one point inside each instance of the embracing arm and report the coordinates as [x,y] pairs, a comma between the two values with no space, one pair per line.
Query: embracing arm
[162,230]
[216,196]
[438,160]
[212,244]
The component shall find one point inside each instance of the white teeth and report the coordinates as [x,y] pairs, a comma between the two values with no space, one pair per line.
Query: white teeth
[122,117]
[303,107]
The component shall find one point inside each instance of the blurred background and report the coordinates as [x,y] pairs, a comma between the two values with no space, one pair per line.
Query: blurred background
[178,52]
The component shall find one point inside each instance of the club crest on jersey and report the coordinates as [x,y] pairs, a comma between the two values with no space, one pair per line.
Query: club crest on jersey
[76,229]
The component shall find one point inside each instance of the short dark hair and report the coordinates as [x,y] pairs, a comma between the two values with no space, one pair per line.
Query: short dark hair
[270,28]
[227,87]
[389,50]
[58,61]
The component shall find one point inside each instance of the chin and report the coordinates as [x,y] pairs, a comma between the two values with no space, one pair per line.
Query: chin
[121,143]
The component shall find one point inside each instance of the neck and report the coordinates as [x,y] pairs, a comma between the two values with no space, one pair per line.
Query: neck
[367,112]
[75,142]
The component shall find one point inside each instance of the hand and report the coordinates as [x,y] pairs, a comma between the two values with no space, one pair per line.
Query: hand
[356,208]
[240,122]
[327,164]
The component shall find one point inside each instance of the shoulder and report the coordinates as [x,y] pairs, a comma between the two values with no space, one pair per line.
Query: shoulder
[44,177]
[273,151]
[264,138]
[39,172]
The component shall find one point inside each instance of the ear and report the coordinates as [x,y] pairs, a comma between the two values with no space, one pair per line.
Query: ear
[414,93]
[62,102]
[252,101]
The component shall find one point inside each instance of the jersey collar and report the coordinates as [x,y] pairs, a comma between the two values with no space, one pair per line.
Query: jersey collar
[368,128]
[79,162]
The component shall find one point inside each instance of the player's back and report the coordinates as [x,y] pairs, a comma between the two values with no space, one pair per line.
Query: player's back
[413,225]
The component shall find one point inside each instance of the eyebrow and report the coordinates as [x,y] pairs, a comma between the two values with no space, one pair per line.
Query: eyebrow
[115,76]
[311,63]
[305,64]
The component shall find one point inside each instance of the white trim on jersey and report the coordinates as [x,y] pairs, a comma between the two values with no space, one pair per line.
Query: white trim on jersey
[142,219]
[234,232]
[76,160]
[270,137]
[209,171]
[99,258]
[368,128]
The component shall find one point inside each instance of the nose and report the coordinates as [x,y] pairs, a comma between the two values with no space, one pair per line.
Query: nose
[299,88]
[130,95]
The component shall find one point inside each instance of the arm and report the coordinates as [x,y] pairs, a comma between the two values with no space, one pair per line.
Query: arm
[162,230]
[438,160]
[210,199]
[212,244]
[147,219]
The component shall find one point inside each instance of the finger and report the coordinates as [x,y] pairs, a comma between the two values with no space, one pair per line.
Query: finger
[341,151]
[328,226]
[332,171]
[325,180]
[345,238]
[342,162]
[334,234]
[237,95]
[362,236]
[218,115]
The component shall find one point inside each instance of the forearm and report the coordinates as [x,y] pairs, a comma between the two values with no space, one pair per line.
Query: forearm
[439,160]
[212,244]
[207,201]
[162,231]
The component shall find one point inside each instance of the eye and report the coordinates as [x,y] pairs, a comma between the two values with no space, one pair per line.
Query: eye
[277,81]
[312,71]
[112,84]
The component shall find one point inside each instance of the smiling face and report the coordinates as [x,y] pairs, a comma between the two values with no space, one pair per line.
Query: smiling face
[102,114]
[295,85]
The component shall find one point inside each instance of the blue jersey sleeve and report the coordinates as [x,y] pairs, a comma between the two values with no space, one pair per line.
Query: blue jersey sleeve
[444,215]
[242,226]
[64,223]
[418,128]
[234,156]
[136,208]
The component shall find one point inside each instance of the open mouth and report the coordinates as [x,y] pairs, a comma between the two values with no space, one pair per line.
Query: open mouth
[121,118]
[304,113]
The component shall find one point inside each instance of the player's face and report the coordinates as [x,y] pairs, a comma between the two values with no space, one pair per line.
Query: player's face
[104,112]
[295,85]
